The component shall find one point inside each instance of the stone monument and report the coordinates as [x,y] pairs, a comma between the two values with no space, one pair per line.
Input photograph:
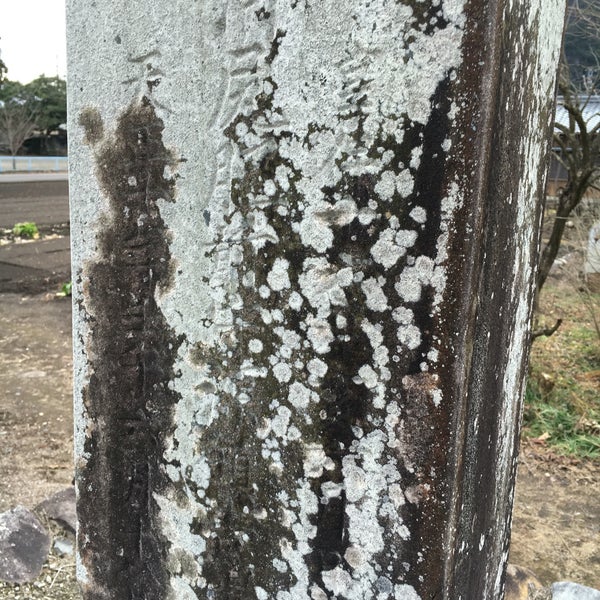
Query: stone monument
[304,235]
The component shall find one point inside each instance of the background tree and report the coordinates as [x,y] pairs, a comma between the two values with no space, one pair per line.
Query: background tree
[577,143]
[40,105]
[582,42]
[3,70]
[49,96]
[18,116]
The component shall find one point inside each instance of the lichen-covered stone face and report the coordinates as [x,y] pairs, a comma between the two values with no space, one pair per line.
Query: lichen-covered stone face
[327,272]
[294,198]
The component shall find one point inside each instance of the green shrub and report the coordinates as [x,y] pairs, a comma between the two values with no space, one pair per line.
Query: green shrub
[26,230]
[66,289]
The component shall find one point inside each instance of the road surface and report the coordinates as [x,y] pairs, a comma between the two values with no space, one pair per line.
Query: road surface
[7,177]
[43,202]
[42,264]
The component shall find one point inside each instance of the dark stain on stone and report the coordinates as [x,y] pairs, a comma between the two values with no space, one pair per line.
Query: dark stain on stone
[152,83]
[131,350]
[262,14]
[345,403]
[118,39]
[331,541]
[232,567]
[429,191]
[93,128]
[275,46]
[429,18]
[426,431]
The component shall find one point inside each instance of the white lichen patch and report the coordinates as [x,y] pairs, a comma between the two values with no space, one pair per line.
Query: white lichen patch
[419,214]
[317,368]
[405,183]
[261,593]
[319,334]
[316,461]
[409,336]
[373,290]
[386,186]
[406,592]
[295,301]
[278,278]
[386,251]
[269,188]
[392,245]
[299,396]
[367,376]
[413,278]
[282,372]
[255,346]
[322,285]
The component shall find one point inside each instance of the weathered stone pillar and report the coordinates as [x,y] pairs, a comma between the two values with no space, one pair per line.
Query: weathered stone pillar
[304,236]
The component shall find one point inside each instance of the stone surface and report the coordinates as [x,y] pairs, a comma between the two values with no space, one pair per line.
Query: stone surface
[567,590]
[63,547]
[61,508]
[24,545]
[303,237]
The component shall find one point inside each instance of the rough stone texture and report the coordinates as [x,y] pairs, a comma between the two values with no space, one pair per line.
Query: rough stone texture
[61,508]
[24,545]
[303,240]
[567,590]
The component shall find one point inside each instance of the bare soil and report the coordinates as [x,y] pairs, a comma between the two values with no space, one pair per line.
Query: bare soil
[556,519]
[35,413]
[556,530]
[36,422]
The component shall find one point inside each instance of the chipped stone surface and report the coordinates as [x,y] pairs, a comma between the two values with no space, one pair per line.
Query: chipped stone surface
[303,237]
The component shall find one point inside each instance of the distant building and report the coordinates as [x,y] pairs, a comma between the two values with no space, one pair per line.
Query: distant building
[53,144]
[557,175]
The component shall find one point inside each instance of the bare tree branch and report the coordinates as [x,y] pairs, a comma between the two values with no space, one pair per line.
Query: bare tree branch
[17,123]
[546,331]
[577,137]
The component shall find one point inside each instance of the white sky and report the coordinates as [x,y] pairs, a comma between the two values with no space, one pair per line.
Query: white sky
[32,38]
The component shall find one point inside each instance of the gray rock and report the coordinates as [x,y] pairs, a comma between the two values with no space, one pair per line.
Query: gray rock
[61,508]
[63,547]
[24,545]
[567,590]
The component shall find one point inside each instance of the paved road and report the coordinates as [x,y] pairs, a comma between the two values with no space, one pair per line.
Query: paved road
[16,177]
[43,202]
[43,264]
